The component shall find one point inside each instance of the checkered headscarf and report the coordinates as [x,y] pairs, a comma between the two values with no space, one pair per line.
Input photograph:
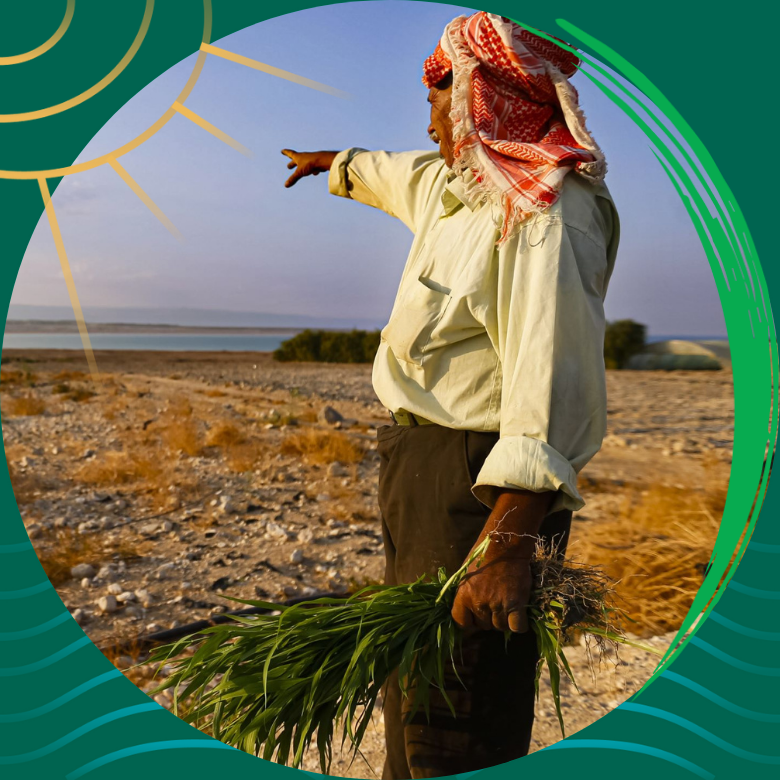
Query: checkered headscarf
[517,125]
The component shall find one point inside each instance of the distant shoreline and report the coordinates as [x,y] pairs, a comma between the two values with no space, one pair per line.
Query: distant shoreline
[68,327]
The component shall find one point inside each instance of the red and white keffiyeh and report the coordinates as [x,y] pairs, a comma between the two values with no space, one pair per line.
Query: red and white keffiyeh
[517,124]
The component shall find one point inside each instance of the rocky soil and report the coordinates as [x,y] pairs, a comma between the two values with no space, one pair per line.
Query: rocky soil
[181,478]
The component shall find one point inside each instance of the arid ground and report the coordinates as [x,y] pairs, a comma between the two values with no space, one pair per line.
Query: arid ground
[179,478]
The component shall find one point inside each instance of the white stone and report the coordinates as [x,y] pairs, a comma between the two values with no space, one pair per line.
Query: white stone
[296,556]
[165,571]
[306,535]
[80,616]
[107,604]
[86,583]
[166,527]
[126,596]
[114,589]
[333,523]
[82,570]
[276,531]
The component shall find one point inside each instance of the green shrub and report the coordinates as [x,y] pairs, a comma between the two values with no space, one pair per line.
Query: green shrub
[324,346]
[622,339]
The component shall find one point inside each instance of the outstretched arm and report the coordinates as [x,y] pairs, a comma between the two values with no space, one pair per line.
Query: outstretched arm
[307,164]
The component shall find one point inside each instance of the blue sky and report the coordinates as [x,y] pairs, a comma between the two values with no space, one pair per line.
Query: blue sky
[251,245]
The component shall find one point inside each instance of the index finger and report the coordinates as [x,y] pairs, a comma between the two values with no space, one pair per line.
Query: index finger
[289,152]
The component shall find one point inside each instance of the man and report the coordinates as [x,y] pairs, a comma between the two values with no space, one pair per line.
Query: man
[491,364]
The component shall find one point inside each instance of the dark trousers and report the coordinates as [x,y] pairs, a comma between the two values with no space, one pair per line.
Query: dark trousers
[430,519]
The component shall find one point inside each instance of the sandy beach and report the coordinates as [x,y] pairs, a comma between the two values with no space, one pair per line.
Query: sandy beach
[177,479]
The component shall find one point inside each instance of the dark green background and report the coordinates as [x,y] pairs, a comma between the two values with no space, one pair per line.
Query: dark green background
[717,69]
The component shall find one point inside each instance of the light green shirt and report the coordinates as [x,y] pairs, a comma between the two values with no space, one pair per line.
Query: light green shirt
[489,338]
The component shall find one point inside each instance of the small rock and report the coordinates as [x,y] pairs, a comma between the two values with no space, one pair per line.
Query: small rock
[296,556]
[107,604]
[114,588]
[166,526]
[164,572]
[153,628]
[80,616]
[34,530]
[306,536]
[86,583]
[278,532]
[134,612]
[88,526]
[87,454]
[333,523]
[61,522]
[337,469]
[329,416]
[82,570]
[290,591]
[27,463]
[144,598]
[109,573]
[127,596]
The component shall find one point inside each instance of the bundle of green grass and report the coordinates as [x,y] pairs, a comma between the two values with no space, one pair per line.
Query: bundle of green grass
[275,684]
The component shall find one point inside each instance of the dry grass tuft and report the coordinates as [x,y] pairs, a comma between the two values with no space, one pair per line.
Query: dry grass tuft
[214,393]
[64,376]
[183,436]
[224,435]
[245,456]
[25,406]
[120,468]
[11,377]
[658,549]
[317,446]
[80,394]
[27,485]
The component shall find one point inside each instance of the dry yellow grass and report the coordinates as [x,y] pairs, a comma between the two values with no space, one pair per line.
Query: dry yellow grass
[25,406]
[224,435]
[214,393]
[120,468]
[317,446]
[10,377]
[183,436]
[80,395]
[64,376]
[658,549]
[26,485]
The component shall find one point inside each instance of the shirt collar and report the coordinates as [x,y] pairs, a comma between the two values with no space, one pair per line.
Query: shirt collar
[455,194]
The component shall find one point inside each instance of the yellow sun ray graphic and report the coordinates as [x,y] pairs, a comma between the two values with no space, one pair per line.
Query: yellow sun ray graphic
[112,158]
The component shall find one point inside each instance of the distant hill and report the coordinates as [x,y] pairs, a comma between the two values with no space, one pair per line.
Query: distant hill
[183,317]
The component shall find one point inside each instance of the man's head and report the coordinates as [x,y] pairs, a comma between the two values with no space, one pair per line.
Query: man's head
[440,128]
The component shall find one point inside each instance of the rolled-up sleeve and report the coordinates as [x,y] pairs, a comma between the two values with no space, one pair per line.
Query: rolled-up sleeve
[547,326]
[399,183]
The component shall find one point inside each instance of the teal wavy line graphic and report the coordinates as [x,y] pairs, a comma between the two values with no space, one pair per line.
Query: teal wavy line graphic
[630,747]
[765,717]
[770,636]
[654,712]
[8,595]
[766,671]
[55,704]
[757,592]
[7,549]
[765,548]
[23,758]
[10,636]
[152,747]
[14,671]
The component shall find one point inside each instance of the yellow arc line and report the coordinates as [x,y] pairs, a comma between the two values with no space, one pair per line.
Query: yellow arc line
[44,47]
[282,74]
[102,84]
[208,127]
[148,202]
[66,272]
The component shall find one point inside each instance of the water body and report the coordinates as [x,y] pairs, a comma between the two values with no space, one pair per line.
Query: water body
[185,342]
[164,342]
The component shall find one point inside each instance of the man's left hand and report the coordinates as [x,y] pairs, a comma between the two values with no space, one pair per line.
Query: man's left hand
[495,594]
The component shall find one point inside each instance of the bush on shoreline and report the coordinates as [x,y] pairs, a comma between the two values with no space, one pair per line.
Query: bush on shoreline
[324,346]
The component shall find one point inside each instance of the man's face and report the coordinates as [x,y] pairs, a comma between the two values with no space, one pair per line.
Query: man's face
[440,128]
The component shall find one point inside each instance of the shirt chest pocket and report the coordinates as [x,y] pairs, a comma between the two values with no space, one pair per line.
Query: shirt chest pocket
[410,332]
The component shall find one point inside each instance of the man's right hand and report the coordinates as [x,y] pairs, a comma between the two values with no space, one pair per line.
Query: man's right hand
[307,164]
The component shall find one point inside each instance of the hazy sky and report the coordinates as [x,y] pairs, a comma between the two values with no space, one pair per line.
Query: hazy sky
[251,245]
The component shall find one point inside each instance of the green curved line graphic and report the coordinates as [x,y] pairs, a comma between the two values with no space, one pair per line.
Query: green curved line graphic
[16,717]
[764,548]
[126,712]
[630,747]
[15,671]
[153,747]
[773,595]
[7,549]
[41,587]
[769,636]
[654,712]
[766,671]
[766,717]
[11,636]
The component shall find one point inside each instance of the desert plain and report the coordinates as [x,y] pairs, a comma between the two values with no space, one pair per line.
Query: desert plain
[175,480]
